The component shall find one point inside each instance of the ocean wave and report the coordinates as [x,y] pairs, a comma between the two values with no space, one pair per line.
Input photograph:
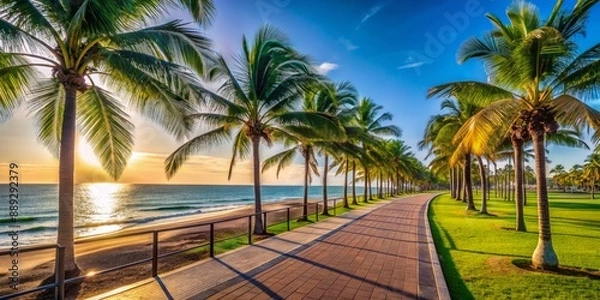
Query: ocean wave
[32,229]
[116,222]
[179,207]
[19,219]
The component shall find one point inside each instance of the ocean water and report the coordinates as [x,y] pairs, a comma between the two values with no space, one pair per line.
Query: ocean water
[108,207]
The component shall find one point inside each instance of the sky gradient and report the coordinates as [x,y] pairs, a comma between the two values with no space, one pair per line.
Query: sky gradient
[392,51]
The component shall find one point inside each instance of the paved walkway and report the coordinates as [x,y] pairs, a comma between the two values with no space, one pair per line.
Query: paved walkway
[378,252]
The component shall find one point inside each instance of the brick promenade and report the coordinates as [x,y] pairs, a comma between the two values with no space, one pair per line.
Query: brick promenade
[379,253]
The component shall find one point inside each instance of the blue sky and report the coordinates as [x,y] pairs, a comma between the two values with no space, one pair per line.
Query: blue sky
[392,51]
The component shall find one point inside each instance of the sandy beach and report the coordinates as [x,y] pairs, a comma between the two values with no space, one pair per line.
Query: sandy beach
[125,246]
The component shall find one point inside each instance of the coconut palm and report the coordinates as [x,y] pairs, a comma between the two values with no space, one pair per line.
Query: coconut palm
[256,99]
[370,124]
[559,172]
[446,127]
[335,100]
[322,98]
[591,169]
[398,161]
[535,78]
[82,43]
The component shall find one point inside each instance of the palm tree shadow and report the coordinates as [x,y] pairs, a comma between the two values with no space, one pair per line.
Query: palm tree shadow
[71,289]
[525,264]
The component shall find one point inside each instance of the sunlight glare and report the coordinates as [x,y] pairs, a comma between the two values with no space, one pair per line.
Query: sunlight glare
[86,153]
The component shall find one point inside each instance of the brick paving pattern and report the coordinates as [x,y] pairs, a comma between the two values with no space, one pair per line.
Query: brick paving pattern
[380,251]
[382,255]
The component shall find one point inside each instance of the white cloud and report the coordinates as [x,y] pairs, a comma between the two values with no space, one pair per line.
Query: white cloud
[411,65]
[373,11]
[348,44]
[412,62]
[326,67]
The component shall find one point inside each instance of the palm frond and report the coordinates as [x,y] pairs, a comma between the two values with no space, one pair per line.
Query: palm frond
[157,89]
[241,150]
[202,142]
[481,133]
[216,119]
[172,41]
[281,160]
[568,138]
[16,76]
[582,75]
[47,107]
[106,127]
[471,91]
[15,39]
[326,124]
[30,16]
[479,48]
[389,130]
[573,112]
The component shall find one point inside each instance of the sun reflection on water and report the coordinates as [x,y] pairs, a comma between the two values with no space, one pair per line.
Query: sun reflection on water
[101,207]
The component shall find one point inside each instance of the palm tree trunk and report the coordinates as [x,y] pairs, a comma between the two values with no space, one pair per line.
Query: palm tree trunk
[67,180]
[483,176]
[505,188]
[304,216]
[510,183]
[593,187]
[525,181]
[325,170]
[365,200]
[370,189]
[258,223]
[379,185]
[495,179]
[544,255]
[452,191]
[518,152]
[346,204]
[468,184]
[459,184]
[354,202]
[488,181]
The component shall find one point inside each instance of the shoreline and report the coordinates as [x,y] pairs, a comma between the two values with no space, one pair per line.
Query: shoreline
[135,235]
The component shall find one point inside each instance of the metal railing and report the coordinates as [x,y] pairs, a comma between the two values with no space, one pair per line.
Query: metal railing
[60,281]
[59,272]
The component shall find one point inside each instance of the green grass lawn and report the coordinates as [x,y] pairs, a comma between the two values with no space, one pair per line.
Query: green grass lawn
[477,252]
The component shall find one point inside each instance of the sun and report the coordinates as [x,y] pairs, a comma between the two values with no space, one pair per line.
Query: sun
[86,154]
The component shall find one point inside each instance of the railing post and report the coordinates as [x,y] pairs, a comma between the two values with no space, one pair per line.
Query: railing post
[154,253]
[288,218]
[60,272]
[250,230]
[317,212]
[334,206]
[212,240]
[265,221]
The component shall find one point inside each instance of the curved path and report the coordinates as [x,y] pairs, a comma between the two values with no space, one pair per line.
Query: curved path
[378,252]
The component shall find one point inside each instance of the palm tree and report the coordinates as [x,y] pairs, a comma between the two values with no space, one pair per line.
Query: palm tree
[445,128]
[370,124]
[535,77]
[335,100]
[559,173]
[398,161]
[80,43]
[303,144]
[592,170]
[321,99]
[254,102]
